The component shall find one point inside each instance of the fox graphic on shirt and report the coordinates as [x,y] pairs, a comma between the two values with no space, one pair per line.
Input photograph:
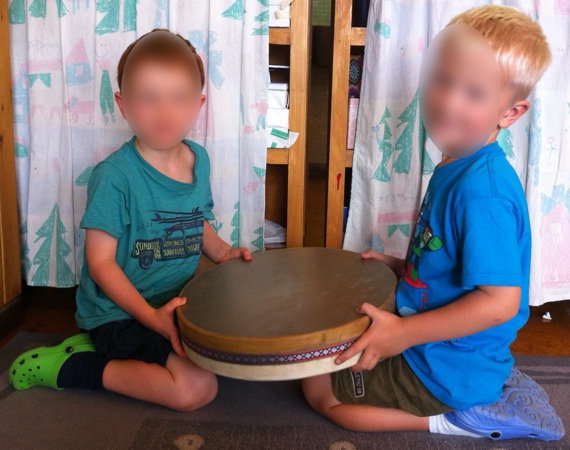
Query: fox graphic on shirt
[423,240]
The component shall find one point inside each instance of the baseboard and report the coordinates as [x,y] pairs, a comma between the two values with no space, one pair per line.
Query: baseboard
[10,316]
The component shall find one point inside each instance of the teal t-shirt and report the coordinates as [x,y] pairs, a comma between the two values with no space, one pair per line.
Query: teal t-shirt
[157,221]
[472,229]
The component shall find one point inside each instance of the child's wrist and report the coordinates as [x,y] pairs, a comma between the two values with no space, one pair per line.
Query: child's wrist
[146,314]
[224,253]
[407,337]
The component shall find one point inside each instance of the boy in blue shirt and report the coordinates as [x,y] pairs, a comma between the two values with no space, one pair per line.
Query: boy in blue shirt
[146,225]
[463,288]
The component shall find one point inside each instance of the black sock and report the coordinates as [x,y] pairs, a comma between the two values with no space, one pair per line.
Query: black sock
[82,370]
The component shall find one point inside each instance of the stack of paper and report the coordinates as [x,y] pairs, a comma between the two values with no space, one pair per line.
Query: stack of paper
[277,119]
[278,95]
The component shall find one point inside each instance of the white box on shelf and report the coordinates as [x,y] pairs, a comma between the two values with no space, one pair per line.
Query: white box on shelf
[352,115]
[279,17]
[278,95]
[277,118]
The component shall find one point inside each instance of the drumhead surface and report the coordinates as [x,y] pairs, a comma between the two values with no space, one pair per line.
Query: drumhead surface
[284,300]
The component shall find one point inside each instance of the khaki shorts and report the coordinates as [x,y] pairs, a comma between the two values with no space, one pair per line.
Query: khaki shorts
[391,384]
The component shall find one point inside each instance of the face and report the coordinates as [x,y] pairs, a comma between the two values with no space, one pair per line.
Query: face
[462,98]
[160,102]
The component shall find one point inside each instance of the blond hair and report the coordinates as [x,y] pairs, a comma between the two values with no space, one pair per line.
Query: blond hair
[519,44]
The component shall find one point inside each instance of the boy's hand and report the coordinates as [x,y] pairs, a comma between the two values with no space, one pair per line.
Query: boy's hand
[162,321]
[384,338]
[232,253]
[396,264]
[219,251]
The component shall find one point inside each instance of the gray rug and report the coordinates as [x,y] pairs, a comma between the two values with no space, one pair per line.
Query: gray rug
[245,415]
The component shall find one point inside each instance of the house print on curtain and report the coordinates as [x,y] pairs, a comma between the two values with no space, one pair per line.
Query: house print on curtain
[64,59]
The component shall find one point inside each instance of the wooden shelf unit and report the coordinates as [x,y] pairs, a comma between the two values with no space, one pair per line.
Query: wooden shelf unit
[298,38]
[339,157]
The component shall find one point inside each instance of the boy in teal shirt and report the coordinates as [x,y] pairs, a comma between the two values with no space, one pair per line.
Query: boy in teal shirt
[146,225]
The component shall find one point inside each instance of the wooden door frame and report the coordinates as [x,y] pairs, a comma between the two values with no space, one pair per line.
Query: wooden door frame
[10,276]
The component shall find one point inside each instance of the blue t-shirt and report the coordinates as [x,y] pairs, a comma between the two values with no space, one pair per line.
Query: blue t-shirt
[157,221]
[472,229]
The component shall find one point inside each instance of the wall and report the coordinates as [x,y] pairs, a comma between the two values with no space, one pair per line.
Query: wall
[321,12]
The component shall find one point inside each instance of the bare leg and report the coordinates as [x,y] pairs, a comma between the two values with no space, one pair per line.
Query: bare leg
[318,392]
[181,385]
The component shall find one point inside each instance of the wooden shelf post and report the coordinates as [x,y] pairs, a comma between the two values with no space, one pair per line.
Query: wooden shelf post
[338,125]
[298,105]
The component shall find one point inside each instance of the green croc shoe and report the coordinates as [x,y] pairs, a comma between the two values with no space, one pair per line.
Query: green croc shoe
[40,366]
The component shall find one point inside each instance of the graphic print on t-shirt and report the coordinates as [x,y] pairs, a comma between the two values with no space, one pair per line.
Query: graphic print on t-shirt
[181,238]
[423,240]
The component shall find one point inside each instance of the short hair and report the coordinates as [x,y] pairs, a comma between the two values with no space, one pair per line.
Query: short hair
[519,44]
[159,50]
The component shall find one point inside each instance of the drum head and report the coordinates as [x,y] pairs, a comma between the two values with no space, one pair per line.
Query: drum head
[284,301]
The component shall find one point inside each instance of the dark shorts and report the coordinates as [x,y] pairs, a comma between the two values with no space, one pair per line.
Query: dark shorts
[391,384]
[128,339]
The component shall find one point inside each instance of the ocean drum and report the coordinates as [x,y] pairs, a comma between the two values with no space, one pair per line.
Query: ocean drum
[286,314]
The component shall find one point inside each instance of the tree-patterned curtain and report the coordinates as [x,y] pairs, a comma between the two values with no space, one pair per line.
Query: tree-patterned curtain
[394,159]
[64,55]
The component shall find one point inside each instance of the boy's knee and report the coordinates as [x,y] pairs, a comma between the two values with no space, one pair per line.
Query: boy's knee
[308,391]
[195,393]
[319,394]
[209,388]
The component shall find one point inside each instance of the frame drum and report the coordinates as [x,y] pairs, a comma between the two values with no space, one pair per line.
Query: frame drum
[286,314]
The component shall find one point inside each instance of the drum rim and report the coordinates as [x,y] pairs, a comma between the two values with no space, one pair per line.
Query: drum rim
[346,331]
[272,372]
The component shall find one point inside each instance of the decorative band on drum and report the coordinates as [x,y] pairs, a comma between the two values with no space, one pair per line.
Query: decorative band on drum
[267,359]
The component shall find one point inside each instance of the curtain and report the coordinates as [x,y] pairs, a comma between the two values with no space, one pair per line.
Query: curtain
[393,158]
[64,55]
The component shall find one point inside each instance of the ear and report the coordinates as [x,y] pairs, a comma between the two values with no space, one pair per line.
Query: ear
[202,100]
[513,113]
[119,101]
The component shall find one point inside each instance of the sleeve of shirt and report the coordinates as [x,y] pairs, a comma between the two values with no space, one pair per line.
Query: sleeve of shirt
[488,232]
[107,201]
[209,205]
[205,169]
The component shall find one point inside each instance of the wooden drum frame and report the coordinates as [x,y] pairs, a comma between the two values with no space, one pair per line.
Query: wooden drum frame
[286,314]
